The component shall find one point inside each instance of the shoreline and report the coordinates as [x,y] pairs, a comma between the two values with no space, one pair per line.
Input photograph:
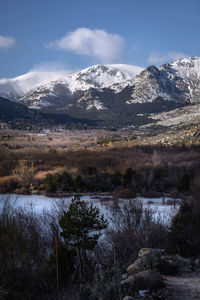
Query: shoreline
[112,194]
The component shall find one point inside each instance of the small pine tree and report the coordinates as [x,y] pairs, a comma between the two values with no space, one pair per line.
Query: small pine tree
[81,228]
[81,225]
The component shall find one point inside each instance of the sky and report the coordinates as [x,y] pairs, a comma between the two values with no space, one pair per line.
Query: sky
[74,34]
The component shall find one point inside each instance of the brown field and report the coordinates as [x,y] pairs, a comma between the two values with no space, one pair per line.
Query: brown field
[25,154]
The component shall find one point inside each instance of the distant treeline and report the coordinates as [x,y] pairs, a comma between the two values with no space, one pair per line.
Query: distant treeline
[89,180]
[142,169]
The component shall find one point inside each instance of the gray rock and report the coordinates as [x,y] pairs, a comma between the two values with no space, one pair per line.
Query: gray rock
[135,267]
[145,251]
[131,278]
[128,280]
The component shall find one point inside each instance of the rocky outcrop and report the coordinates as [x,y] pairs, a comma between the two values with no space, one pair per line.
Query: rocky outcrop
[144,279]
[145,251]
[135,267]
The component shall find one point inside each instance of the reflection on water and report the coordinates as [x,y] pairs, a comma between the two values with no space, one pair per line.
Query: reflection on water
[164,208]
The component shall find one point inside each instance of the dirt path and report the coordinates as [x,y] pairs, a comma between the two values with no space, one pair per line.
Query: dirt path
[183,288]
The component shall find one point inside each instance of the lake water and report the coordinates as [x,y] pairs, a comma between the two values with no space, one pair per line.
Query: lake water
[39,203]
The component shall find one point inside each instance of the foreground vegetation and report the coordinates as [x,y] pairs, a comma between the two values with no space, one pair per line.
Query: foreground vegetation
[58,254]
[53,255]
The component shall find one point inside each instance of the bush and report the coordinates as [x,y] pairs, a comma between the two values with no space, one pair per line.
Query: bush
[133,227]
[185,229]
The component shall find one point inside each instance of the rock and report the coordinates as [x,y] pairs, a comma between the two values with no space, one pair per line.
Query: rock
[135,267]
[129,280]
[145,251]
[150,279]
[128,298]
[133,277]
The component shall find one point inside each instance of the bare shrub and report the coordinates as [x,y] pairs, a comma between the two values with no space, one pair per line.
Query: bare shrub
[25,173]
[134,227]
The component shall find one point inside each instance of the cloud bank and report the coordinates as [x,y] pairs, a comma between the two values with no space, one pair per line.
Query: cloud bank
[156,57]
[6,42]
[96,43]
[53,66]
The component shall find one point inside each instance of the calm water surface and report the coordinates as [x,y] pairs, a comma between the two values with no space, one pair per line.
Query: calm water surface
[39,203]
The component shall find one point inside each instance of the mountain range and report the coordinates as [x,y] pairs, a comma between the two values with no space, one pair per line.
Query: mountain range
[113,95]
[95,76]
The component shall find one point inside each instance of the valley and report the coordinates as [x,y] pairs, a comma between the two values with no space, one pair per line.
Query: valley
[99,150]
[126,142]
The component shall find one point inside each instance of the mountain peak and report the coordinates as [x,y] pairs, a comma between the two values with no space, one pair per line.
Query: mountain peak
[96,76]
[153,70]
[186,62]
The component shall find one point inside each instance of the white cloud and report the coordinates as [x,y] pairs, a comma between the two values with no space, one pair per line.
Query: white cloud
[96,43]
[6,42]
[53,66]
[156,57]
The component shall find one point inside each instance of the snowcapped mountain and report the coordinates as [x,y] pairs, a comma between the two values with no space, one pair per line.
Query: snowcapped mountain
[33,88]
[119,94]
[100,76]
[70,87]
[15,88]
[186,73]
[177,83]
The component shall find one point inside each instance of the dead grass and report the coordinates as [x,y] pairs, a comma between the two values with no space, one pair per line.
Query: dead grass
[42,174]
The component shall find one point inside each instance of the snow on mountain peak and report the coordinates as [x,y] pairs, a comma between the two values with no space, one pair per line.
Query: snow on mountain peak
[186,62]
[129,69]
[14,88]
[177,82]
[103,76]
[97,76]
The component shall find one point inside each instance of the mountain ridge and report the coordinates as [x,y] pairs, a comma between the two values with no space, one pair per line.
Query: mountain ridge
[175,83]
[15,88]
[135,101]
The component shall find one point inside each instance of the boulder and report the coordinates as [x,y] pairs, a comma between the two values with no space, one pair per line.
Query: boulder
[145,251]
[148,278]
[133,277]
[135,267]
[128,298]
[129,280]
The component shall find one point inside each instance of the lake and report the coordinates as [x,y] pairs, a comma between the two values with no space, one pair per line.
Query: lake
[164,208]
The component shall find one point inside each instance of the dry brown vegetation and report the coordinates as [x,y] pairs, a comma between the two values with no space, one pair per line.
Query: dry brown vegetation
[26,158]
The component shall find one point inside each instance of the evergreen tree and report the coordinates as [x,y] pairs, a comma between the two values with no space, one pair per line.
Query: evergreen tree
[81,225]
[81,228]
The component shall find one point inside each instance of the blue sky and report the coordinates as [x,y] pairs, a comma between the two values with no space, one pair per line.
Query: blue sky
[73,34]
